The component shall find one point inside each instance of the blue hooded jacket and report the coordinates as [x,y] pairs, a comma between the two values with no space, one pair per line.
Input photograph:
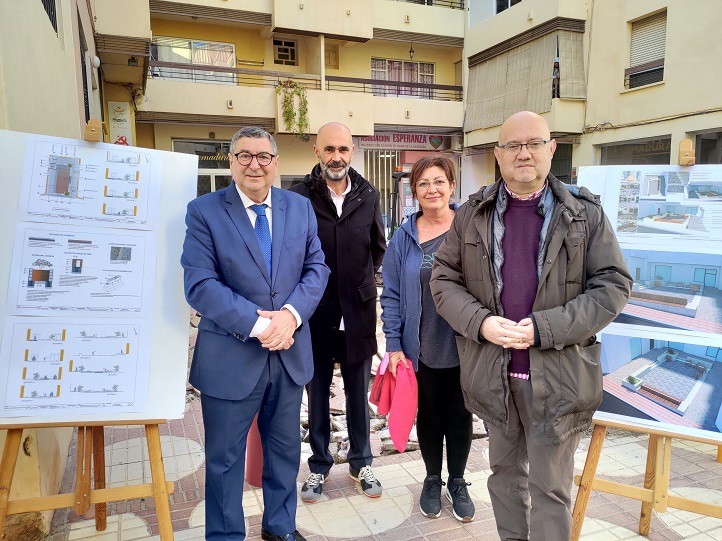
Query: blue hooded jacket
[401,296]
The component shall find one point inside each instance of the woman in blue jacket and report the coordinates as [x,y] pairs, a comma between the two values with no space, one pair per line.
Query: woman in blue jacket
[415,331]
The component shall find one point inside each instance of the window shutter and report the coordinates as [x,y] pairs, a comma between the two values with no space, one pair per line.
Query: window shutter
[648,38]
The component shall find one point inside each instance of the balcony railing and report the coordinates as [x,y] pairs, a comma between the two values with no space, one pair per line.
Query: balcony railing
[427,91]
[200,73]
[453,4]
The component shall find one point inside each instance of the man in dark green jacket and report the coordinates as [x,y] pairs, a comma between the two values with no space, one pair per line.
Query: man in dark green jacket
[529,272]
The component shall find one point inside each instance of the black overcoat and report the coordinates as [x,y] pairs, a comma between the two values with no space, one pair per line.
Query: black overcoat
[354,245]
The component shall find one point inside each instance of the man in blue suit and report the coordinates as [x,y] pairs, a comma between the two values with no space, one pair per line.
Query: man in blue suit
[253,353]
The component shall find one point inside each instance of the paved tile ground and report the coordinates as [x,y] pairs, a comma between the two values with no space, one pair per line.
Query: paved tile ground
[344,513]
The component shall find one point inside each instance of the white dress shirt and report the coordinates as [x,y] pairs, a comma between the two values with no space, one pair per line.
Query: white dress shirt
[262,323]
[338,202]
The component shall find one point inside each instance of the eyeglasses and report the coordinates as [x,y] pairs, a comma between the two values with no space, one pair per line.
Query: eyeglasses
[425,184]
[532,146]
[263,158]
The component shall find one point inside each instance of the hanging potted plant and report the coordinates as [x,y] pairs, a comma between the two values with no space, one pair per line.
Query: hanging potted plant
[297,122]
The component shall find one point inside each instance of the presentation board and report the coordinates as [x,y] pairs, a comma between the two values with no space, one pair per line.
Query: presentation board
[662,357]
[93,321]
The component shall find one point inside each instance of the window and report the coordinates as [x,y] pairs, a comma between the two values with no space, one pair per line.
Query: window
[562,163]
[663,272]
[711,352]
[652,152]
[501,5]
[383,69]
[646,57]
[194,52]
[50,9]
[284,52]
[709,147]
[331,55]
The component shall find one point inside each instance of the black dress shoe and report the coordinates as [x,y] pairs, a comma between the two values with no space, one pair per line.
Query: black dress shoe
[295,536]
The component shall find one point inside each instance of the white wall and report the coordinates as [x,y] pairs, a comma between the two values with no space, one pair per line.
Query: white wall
[615,352]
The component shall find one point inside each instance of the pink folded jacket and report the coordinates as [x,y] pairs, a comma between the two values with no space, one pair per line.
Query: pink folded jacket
[397,398]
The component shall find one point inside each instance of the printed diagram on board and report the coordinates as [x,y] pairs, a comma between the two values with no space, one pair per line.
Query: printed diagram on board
[73,365]
[669,203]
[73,183]
[63,177]
[61,268]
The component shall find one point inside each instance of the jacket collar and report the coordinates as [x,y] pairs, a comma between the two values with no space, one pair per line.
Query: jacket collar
[409,226]
[315,181]
[562,193]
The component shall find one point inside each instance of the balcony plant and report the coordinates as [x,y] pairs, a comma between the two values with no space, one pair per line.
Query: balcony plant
[296,122]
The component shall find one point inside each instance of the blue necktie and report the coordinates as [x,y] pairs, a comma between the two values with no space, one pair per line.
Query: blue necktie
[263,233]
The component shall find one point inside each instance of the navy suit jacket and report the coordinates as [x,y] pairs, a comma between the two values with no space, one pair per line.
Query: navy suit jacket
[226,280]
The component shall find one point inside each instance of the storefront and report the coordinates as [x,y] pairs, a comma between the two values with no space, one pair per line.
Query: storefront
[214,169]
[649,152]
[384,152]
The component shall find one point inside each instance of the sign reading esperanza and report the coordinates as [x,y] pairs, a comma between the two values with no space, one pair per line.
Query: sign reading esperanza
[402,141]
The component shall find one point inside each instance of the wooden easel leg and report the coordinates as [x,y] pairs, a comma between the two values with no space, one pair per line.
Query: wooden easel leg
[7,469]
[661,474]
[585,485]
[645,517]
[99,475]
[82,472]
[160,494]
[719,453]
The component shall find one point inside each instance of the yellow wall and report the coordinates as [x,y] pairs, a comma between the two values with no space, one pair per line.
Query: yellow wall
[339,17]
[516,20]
[40,70]
[41,92]
[248,42]
[424,19]
[295,156]
[145,135]
[126,18]
[355,58]
[691,76]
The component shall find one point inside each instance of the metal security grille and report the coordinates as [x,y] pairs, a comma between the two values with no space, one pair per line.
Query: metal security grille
[379,165]
[49,6]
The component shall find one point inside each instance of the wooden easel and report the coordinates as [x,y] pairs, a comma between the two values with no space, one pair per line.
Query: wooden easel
[655,494]
[91,454]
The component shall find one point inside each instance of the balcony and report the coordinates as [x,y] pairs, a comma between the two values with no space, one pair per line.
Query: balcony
[221,75]
[523,22]
[359,103]
[565,118]
[122,38]
[401,89]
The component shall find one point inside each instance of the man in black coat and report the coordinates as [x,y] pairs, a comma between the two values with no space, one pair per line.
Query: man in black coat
[343,328]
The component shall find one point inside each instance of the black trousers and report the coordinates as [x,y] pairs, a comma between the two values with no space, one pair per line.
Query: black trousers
[442,415]
[356,384]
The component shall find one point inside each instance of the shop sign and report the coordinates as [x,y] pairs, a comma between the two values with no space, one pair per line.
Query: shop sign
[121,131]
[402,141]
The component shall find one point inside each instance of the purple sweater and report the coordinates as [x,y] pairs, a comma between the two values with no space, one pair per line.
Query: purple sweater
[522,227]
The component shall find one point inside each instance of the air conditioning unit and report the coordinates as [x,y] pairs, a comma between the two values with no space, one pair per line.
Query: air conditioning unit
[457,143]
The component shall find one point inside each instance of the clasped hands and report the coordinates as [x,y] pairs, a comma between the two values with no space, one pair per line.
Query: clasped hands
[507,333]
[279,334]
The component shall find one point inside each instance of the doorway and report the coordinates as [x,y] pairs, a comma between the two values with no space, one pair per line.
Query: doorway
[210,180]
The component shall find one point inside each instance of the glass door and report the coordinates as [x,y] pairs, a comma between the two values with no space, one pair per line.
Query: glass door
[210,180]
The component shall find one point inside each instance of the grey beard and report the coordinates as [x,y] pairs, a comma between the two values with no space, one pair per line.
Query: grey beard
[333,176]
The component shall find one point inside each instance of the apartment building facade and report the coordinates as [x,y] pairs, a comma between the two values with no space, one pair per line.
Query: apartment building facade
[200,69]
[634,79]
